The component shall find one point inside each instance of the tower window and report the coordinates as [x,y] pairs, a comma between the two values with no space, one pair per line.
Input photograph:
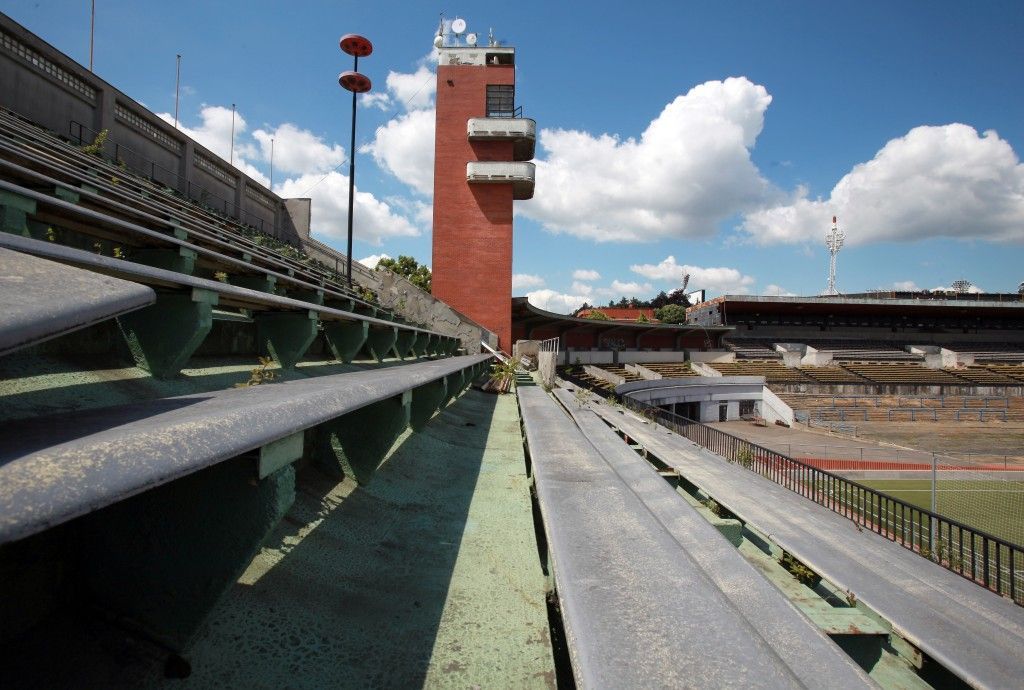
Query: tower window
[501,100]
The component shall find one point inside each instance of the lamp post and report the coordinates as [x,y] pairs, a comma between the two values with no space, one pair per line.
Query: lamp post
[353,81]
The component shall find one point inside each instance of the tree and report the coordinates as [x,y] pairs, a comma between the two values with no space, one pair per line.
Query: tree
[660,300]
[642,318]
[671,313]
[597,315]
[407,267]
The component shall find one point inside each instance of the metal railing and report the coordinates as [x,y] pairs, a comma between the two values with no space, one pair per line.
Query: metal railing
[987,560]
[138,163]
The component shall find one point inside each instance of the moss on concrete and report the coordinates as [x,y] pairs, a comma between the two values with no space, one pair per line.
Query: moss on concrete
[428,575]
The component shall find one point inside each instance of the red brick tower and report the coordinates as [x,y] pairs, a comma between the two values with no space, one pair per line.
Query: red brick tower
[481,149]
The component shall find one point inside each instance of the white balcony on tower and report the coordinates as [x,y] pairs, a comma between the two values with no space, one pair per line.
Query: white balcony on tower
[522,176]
[521,131]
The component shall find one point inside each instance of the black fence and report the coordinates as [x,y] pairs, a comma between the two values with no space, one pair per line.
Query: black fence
[121,155]
[983,558]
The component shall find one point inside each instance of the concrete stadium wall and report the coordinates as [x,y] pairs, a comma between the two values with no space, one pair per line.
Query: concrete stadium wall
[407,300]
[573,356]
[711,393]
[45,86]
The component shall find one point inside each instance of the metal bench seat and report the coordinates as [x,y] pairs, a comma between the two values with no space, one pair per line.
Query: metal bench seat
[96,218]
[973,633]
[56,469]
[41,299]
[809,654]
[54,156]
[156,210]
[638,610]
[404,338]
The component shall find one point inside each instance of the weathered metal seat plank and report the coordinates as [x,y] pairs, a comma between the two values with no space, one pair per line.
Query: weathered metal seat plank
[804,648]
[638,610]
[55,469]
[230,295]
[34,149]
[972,632]
[42,299]
[87,215]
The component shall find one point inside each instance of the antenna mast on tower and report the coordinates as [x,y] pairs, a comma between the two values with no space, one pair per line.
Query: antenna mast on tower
[834,241]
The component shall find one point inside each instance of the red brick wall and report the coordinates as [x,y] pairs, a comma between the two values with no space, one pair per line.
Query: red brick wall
[472,244]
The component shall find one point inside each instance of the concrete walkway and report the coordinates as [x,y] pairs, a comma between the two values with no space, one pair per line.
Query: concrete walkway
[427,576]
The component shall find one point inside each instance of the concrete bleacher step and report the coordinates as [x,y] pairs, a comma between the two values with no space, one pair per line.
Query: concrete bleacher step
[42,299]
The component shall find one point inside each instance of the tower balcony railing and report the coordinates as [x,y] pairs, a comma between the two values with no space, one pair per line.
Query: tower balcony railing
[521,175]
[521,131]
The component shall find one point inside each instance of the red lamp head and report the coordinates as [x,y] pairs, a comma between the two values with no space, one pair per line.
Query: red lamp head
[354,81]
[356,45]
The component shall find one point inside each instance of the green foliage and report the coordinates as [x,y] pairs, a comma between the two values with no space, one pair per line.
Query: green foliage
[671,313]
[745,457]
[260,374]
[407,267]
[581,395]
[642,318]
[800,571]
[503,374]
[597,316]
[96,147]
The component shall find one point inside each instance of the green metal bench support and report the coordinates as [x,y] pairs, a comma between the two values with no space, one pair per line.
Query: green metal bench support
[380,341]
[285,336]
[426,400]
[170,553]
[162,337]
[265,283]
[355,445]
[177,259]
[14,212]
[404,343]
[345,339]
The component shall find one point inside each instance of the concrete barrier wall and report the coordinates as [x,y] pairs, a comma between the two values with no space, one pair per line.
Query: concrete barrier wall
[40,83]
[599,373]
[774,409]
[571,356]
[643,372]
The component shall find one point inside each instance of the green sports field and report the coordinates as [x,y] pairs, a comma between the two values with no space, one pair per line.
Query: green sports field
[996,507]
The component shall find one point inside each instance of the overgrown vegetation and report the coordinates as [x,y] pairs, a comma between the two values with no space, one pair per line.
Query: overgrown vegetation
[410,269]
[260,375]
[96,147]
[800,571]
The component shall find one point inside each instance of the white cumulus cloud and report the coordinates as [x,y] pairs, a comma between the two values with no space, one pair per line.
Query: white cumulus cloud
[719,279]
[585,274]
[405,148]
[689,170]
[297,151]
[525,281]
[936,181]
[777,291]
[214,132]
[557,302]
[373,259]
[905,286]
[373,219]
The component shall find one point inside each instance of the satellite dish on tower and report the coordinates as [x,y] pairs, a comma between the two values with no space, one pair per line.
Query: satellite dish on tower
[471,39]
[458,26]
[438,41]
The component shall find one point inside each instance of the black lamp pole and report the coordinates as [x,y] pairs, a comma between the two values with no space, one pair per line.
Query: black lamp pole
[353,81]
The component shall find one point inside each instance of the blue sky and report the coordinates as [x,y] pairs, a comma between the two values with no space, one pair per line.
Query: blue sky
[709,137]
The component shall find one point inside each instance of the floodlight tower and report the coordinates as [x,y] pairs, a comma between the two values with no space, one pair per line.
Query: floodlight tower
[834,241]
